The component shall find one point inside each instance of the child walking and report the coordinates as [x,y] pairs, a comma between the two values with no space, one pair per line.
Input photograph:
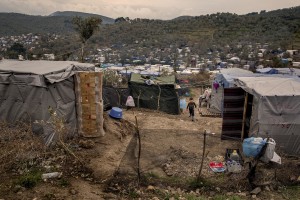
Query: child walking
[191,106]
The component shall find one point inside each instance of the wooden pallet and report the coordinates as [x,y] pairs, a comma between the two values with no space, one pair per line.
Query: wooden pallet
[205,113]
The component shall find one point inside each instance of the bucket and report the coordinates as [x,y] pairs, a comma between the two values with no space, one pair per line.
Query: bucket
[116,112]
[252,146]
[182,103]
[269,153]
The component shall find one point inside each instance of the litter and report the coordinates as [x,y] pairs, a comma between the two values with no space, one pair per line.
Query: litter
[217,166]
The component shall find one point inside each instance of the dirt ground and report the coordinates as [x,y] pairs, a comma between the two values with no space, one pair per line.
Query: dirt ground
[171,154]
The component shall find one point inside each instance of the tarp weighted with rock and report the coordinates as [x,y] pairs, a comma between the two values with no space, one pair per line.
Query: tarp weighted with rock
[160,94]
[29,88]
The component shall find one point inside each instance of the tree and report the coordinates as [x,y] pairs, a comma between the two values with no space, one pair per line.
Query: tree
[15,50]
[85,27]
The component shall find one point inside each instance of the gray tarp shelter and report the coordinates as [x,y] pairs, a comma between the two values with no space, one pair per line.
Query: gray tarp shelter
[29,88]
[275,109]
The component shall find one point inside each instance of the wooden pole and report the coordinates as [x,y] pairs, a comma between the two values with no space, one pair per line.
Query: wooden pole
[139,152]
[244,116]
[203,155]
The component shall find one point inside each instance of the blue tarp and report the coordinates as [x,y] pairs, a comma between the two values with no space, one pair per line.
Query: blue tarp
[267,70]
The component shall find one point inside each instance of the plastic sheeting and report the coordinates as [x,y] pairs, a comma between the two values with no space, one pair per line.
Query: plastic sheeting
[276,109]
[29,88]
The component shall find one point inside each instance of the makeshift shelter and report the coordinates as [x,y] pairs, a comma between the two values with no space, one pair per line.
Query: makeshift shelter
[224,79]
[264,107]
[267,70]
[29,89]
[158,93]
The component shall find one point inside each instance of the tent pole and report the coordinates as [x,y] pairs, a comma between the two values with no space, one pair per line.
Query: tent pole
[244,116]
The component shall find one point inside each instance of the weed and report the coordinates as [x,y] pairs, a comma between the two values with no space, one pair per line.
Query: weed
[292,192]
[202,183]
[30,179]
[224,197]
[64,182]
[133,194]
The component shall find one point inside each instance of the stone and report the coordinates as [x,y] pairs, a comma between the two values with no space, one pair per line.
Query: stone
[73,192]
[109,196]
[256,191]
[150,187]
[155,198]
[298,179]
[253,196]
[218,189]
[229,193]
[267,188]
[243,194]
[172,198]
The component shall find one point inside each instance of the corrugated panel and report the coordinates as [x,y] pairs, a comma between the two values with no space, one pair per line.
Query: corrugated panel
[233,106]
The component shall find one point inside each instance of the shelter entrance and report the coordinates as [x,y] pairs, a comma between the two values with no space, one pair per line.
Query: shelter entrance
[233,112]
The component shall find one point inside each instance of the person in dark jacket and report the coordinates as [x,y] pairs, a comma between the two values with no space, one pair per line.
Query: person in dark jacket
[191,107]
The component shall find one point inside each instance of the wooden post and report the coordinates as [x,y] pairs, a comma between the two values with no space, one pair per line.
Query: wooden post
[203,155]
[244,116]
[158,98]
[139,152]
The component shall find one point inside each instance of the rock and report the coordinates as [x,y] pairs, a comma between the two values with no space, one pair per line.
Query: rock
[243,194]
[298,179]
[229,193]
[109,196]
[197,191]
[179,191]
[218,189]
[19,193]
[267,188]
[293,178]
[253,196]
[17,188]
[87,144]
[172,198]
[150,187]
[73,192]
[212,193]
[256,191]
[155,198]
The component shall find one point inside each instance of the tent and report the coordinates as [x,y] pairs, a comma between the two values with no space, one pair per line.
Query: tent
[158,93]
[225,79]
[270,108]
[28,89]
[267,70]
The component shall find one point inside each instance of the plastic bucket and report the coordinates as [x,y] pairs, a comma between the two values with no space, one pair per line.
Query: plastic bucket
[116,112]
[252,146]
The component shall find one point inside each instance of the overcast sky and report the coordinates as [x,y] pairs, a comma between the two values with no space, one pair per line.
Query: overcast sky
[153,9]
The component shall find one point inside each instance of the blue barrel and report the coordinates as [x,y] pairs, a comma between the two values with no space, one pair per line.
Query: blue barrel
[116,112]
[182,103]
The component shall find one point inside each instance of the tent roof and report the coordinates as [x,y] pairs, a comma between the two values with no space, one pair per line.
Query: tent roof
[270,86]
[162,80]
[40,67]
[53,71]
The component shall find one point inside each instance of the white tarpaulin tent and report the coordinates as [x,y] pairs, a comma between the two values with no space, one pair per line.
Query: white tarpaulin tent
[29,88]
[226,80]
[275,109]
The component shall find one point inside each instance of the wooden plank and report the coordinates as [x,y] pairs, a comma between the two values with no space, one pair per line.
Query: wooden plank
[244,116]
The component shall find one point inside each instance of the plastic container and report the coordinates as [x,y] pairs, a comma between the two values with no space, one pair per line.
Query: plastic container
[269,153]
[252,146]
[235,156]
[116,112]
[233,166]
[182,103]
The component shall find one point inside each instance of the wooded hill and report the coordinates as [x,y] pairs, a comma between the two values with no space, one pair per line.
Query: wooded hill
[281,27]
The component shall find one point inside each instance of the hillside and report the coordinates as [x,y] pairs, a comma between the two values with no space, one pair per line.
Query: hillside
[59,22]
[105,20]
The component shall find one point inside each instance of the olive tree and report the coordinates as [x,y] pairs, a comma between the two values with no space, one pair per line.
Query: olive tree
[85,27]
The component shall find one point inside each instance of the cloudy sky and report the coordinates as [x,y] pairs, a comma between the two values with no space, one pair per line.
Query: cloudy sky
[153,9]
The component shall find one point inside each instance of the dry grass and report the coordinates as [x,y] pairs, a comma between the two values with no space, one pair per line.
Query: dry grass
[18,146]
